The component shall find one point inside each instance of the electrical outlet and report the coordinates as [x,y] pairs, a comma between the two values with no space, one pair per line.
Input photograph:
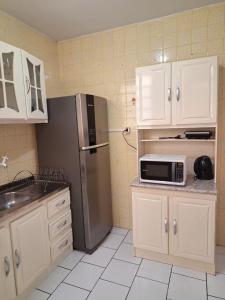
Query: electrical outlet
[126,130]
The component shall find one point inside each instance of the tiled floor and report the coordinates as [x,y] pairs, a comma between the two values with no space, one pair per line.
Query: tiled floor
[113,273]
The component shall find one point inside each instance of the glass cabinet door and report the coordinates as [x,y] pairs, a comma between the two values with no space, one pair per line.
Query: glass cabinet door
[12,98]
[35,87]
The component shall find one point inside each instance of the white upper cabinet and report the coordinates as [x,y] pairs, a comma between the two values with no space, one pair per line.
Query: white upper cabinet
[12,100]
[7,281]
[34,79]
[195,91]
[154,95]
[22,87]
[177,94]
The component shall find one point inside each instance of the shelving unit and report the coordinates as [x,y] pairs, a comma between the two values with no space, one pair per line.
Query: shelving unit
[179,140]
[149,142]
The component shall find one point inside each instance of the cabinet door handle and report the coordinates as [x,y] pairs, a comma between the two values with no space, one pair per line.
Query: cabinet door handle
[28,85]
[178,94]
[169,94]
[6,265]
[60,203]
[64,244]
[175,227]
[17,258]
[166,225]
[61,225]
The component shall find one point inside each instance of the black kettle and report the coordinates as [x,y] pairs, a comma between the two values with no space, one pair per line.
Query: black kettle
[203,168]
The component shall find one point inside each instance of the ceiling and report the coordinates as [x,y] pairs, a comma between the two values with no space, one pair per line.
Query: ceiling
[63,19]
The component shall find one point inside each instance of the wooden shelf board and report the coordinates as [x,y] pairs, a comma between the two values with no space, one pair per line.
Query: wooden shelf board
[178,140]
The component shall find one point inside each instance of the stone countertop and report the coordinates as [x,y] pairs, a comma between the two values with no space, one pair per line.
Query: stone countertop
[192,186]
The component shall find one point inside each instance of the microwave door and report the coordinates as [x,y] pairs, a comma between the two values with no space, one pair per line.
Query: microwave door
[157,171]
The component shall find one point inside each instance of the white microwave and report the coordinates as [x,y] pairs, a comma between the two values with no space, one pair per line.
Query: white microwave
[164,169]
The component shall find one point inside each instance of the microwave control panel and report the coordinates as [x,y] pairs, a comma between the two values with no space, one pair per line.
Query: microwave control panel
[179,171]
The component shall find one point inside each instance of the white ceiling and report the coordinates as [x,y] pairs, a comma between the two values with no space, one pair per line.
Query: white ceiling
[63,19]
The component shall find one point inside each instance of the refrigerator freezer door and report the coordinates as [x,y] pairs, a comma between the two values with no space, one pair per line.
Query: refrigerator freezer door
[96,192]
[92,120]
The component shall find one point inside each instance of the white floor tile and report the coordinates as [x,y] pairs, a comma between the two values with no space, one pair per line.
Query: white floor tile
[220,263]
[84,276]
[72,260]
[126,253]
[189,272]
[213,298]
[68,292]
[155,271]
[53,280]
[113,241]
[108,290]
[37,295]
[101,257]
[120,231]
[129,238]
[120,272]
[145,289]
[216,285]
[220,250]
[186,288]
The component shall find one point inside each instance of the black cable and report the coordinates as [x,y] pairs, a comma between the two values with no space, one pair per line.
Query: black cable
[128,142]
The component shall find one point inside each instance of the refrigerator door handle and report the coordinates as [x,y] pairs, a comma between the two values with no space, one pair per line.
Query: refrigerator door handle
[94,146]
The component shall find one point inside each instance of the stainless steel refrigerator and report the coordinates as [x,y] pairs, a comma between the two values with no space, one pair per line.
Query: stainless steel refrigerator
[76,140]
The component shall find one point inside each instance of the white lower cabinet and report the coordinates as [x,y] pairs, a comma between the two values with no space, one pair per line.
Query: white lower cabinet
[150,221]
[193,222]
[180,226]
[31,243]
[30,247]
[7,281]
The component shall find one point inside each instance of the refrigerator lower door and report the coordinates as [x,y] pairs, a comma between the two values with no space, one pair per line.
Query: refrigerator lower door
[96,192]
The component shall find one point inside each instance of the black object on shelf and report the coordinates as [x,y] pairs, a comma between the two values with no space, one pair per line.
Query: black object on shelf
[199,135]
[203,168]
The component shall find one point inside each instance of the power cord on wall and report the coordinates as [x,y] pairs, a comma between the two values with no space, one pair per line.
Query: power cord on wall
[126,130]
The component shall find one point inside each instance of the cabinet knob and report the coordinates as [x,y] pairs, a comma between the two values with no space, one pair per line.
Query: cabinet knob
[178,94]
[17,258]
[6,265]
[28,85]
[175,227]
[166,225]
[60,203]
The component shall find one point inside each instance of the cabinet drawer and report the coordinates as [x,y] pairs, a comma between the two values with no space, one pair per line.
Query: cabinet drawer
[60,246]
[55,228]
[58,204]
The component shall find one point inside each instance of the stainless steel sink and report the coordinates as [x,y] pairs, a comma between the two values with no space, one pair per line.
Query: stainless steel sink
[11,199]
[20,195]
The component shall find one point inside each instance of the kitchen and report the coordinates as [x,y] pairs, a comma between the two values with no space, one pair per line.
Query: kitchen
[104,64]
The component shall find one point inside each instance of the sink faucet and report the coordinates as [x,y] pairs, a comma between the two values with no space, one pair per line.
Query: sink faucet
[3,163]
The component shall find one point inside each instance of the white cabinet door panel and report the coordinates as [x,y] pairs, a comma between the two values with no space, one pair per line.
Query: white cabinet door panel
[150,218]
[30,246]
[34,79]
[194,235]
[153,86]
[7,280]
[12,97]
[195,91]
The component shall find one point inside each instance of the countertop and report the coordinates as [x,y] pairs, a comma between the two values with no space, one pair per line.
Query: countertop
[192,186]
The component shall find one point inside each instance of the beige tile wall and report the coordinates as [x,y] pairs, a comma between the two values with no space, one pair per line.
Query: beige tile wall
[104,64]
[18,141]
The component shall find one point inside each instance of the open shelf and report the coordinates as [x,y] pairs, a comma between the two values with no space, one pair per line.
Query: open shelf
[178,140]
